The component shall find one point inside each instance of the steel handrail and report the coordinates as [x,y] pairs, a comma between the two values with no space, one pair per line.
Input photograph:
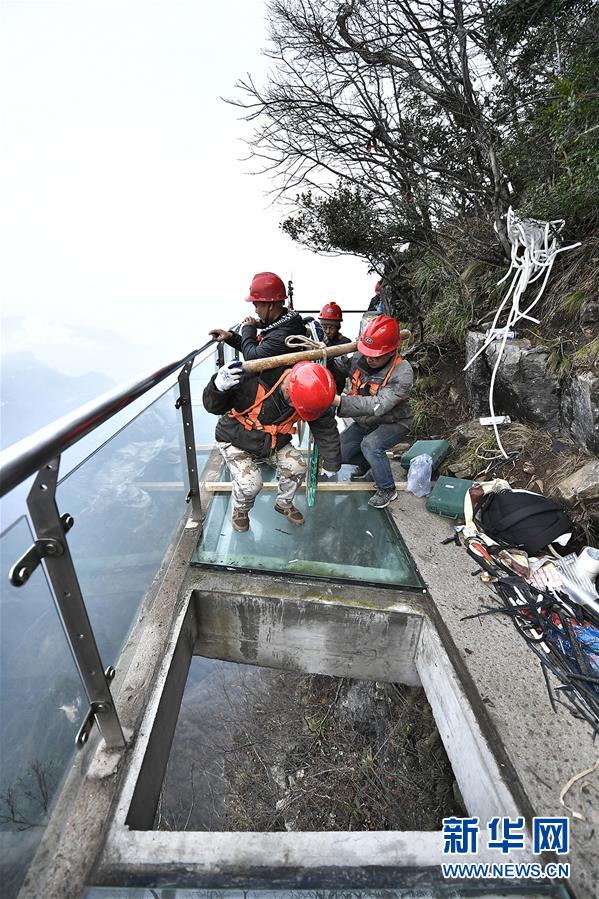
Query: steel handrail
[345,311]
[26,457]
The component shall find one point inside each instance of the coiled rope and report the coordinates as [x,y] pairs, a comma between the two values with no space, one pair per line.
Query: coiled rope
[298,342]
[535,246]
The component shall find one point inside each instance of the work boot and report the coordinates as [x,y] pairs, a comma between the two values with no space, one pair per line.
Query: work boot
[240,520]
[293,515]
[359,473]
[382,498]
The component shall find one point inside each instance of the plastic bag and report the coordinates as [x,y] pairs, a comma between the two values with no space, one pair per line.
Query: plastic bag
[419,475]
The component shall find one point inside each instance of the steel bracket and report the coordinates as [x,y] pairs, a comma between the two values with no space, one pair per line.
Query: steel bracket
[184,404]
[95,708]
[49,529]
[43,548]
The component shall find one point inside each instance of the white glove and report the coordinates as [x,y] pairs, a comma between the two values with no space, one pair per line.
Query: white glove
[228,376]
[327,474]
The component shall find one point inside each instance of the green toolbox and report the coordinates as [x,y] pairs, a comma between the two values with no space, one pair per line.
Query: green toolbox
[447,497]
[436,449]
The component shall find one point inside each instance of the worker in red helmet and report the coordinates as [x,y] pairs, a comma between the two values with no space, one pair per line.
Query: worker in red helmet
[274,321]
[375,302]
[257,420]
[330,319]
[377,401]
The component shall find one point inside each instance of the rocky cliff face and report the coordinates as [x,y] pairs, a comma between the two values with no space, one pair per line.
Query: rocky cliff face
[528,390]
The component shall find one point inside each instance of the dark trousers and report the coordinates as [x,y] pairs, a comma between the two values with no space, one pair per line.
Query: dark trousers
[368,449]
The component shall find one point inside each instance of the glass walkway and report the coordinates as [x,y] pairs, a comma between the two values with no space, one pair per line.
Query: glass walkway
[343,539]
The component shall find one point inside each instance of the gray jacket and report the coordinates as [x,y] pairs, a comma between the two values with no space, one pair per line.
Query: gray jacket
[389,405]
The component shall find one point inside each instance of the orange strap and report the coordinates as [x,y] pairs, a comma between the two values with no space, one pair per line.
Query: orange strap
[249,418]
[357,383]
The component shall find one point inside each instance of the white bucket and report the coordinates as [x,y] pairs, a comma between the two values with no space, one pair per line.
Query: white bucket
[588,562]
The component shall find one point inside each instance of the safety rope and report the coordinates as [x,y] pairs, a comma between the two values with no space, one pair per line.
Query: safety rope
[535,246]
[301,342]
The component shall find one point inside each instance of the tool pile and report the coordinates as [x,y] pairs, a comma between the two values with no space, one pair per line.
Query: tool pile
[551,599]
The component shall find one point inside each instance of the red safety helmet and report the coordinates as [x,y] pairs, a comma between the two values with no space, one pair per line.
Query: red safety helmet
[266,287]
[311,389]
[380,336]
[377,287]
[331,312]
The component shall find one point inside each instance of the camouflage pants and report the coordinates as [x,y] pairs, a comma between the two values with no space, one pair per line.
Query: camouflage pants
[247,479]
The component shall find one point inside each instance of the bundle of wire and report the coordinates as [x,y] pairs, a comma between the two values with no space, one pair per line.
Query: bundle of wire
[563,635]
[534,248]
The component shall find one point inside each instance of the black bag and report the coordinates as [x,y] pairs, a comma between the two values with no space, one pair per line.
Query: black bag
[526,520]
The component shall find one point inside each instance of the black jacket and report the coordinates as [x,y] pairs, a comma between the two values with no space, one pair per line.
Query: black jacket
[272,338]
[339,364]
[275,409]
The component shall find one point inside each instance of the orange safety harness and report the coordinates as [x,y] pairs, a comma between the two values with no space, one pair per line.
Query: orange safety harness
[249,417]
[357,383]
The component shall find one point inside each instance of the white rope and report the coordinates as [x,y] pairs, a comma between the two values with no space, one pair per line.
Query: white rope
[535,246]
[299,342]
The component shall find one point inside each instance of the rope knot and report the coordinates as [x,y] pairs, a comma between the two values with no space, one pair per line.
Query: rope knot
[299,342]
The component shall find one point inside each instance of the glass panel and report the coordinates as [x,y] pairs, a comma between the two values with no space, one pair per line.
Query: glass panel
[203,422]
[126,499]
[342,538]
[41,707]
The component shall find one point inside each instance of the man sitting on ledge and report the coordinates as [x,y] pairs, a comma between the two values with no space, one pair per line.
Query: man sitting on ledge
[378,403]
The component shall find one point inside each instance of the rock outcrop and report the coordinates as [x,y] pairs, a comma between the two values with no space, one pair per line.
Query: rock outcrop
[529,390]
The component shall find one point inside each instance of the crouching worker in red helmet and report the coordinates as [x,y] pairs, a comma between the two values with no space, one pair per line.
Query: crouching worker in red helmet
[272,318]
[257,420]
[378,403]
[330,319]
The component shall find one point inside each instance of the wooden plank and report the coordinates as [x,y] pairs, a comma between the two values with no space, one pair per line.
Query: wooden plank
[327,486]
[287,359]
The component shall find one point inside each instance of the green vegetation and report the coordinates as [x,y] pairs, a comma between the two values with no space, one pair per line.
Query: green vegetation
[571,305]
[559,361]
[423,412]
[475,457]
[408,150]
[587,356]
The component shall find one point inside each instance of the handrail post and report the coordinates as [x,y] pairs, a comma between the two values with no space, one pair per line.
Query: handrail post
[51,546]
[184,403]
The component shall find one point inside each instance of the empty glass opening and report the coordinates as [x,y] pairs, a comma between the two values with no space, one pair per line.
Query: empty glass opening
[260,749]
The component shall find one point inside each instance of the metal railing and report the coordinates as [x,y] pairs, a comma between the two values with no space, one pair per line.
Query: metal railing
[40,454]
[27,456]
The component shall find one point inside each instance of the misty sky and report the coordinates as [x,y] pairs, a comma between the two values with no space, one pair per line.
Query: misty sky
[125,207]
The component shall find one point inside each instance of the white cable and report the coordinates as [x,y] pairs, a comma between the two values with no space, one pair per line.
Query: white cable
[532,255]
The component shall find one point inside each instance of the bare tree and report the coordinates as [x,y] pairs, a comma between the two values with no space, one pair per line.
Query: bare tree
[402,103]
[25,803]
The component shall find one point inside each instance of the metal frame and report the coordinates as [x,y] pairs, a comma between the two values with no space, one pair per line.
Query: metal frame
[26,457]
[52,547]
[184,404]
[41,453]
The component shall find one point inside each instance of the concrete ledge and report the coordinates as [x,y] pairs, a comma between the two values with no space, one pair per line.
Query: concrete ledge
[538,750]
[304,634]
[280,860]
[317,636]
